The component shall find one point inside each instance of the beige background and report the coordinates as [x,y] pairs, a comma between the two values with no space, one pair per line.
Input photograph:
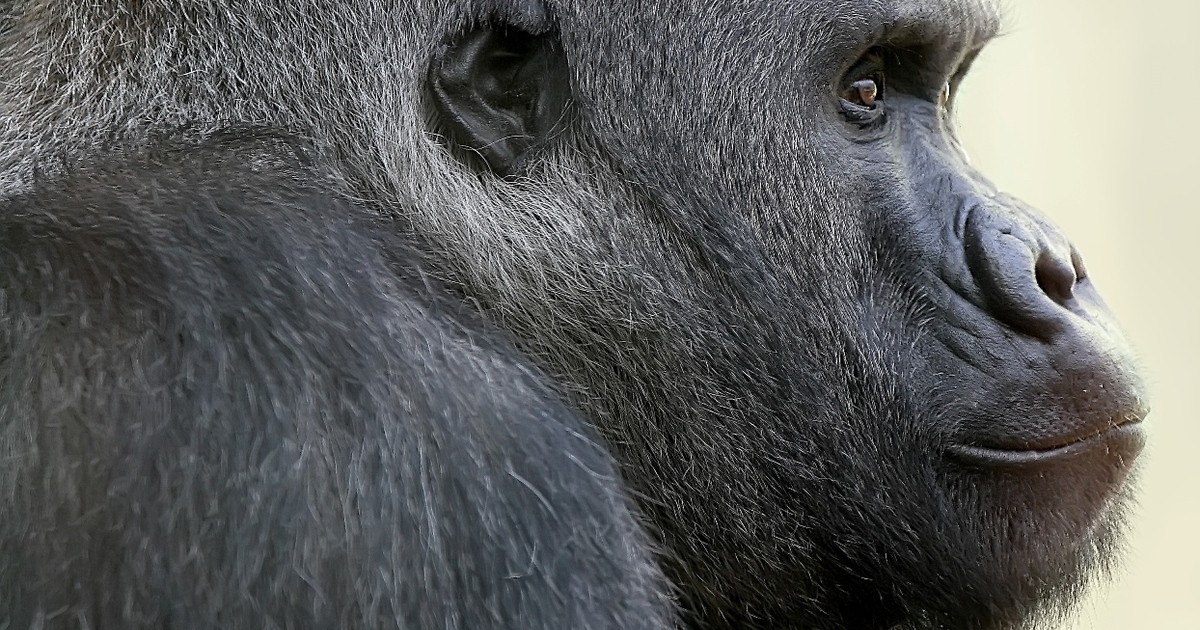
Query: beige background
[1090,110]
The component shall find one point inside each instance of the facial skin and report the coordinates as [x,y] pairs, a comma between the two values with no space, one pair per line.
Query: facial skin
[848,382]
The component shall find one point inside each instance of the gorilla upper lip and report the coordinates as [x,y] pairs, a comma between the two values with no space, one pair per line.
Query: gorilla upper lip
[1121,436]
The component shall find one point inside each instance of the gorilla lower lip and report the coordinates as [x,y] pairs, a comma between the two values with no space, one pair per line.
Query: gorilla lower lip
[1122,441]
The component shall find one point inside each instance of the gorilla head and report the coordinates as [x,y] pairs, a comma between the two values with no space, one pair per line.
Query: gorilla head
[850,377]
[849,383]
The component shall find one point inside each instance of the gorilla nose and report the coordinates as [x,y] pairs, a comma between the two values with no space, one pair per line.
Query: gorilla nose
[1029,274]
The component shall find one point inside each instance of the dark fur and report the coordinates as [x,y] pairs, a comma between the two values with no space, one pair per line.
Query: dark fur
[241,390]
[228,402]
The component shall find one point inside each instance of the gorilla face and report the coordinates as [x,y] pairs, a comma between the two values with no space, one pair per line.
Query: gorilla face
[850,384]
[850,378]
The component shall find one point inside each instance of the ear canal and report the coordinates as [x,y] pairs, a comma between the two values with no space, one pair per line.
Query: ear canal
[499,93]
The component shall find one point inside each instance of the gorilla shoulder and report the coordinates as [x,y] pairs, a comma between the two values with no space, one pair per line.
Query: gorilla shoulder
[231,400]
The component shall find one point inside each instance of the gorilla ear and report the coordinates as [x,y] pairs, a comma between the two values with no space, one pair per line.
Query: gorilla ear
[498,93]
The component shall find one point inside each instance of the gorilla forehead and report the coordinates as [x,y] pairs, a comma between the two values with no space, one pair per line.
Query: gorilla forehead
[814,27]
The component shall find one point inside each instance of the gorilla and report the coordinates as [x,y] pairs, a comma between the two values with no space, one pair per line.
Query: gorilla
[535,314]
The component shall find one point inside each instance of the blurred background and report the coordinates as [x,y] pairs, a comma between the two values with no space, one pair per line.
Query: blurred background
[1087,109]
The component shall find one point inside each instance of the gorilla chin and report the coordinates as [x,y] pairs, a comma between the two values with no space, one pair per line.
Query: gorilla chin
[532,315]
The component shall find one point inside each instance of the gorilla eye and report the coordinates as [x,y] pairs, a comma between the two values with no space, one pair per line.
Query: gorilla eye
[864,90]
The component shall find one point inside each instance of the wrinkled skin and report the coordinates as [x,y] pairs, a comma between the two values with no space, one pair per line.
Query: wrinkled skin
[846,383]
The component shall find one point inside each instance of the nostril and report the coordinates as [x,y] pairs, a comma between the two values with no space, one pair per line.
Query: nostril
[1080,269]
[1057,277]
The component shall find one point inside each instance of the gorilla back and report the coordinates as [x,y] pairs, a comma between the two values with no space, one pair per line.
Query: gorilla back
[845,381]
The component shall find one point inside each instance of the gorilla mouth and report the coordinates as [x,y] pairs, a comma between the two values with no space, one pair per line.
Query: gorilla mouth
[1121,440]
